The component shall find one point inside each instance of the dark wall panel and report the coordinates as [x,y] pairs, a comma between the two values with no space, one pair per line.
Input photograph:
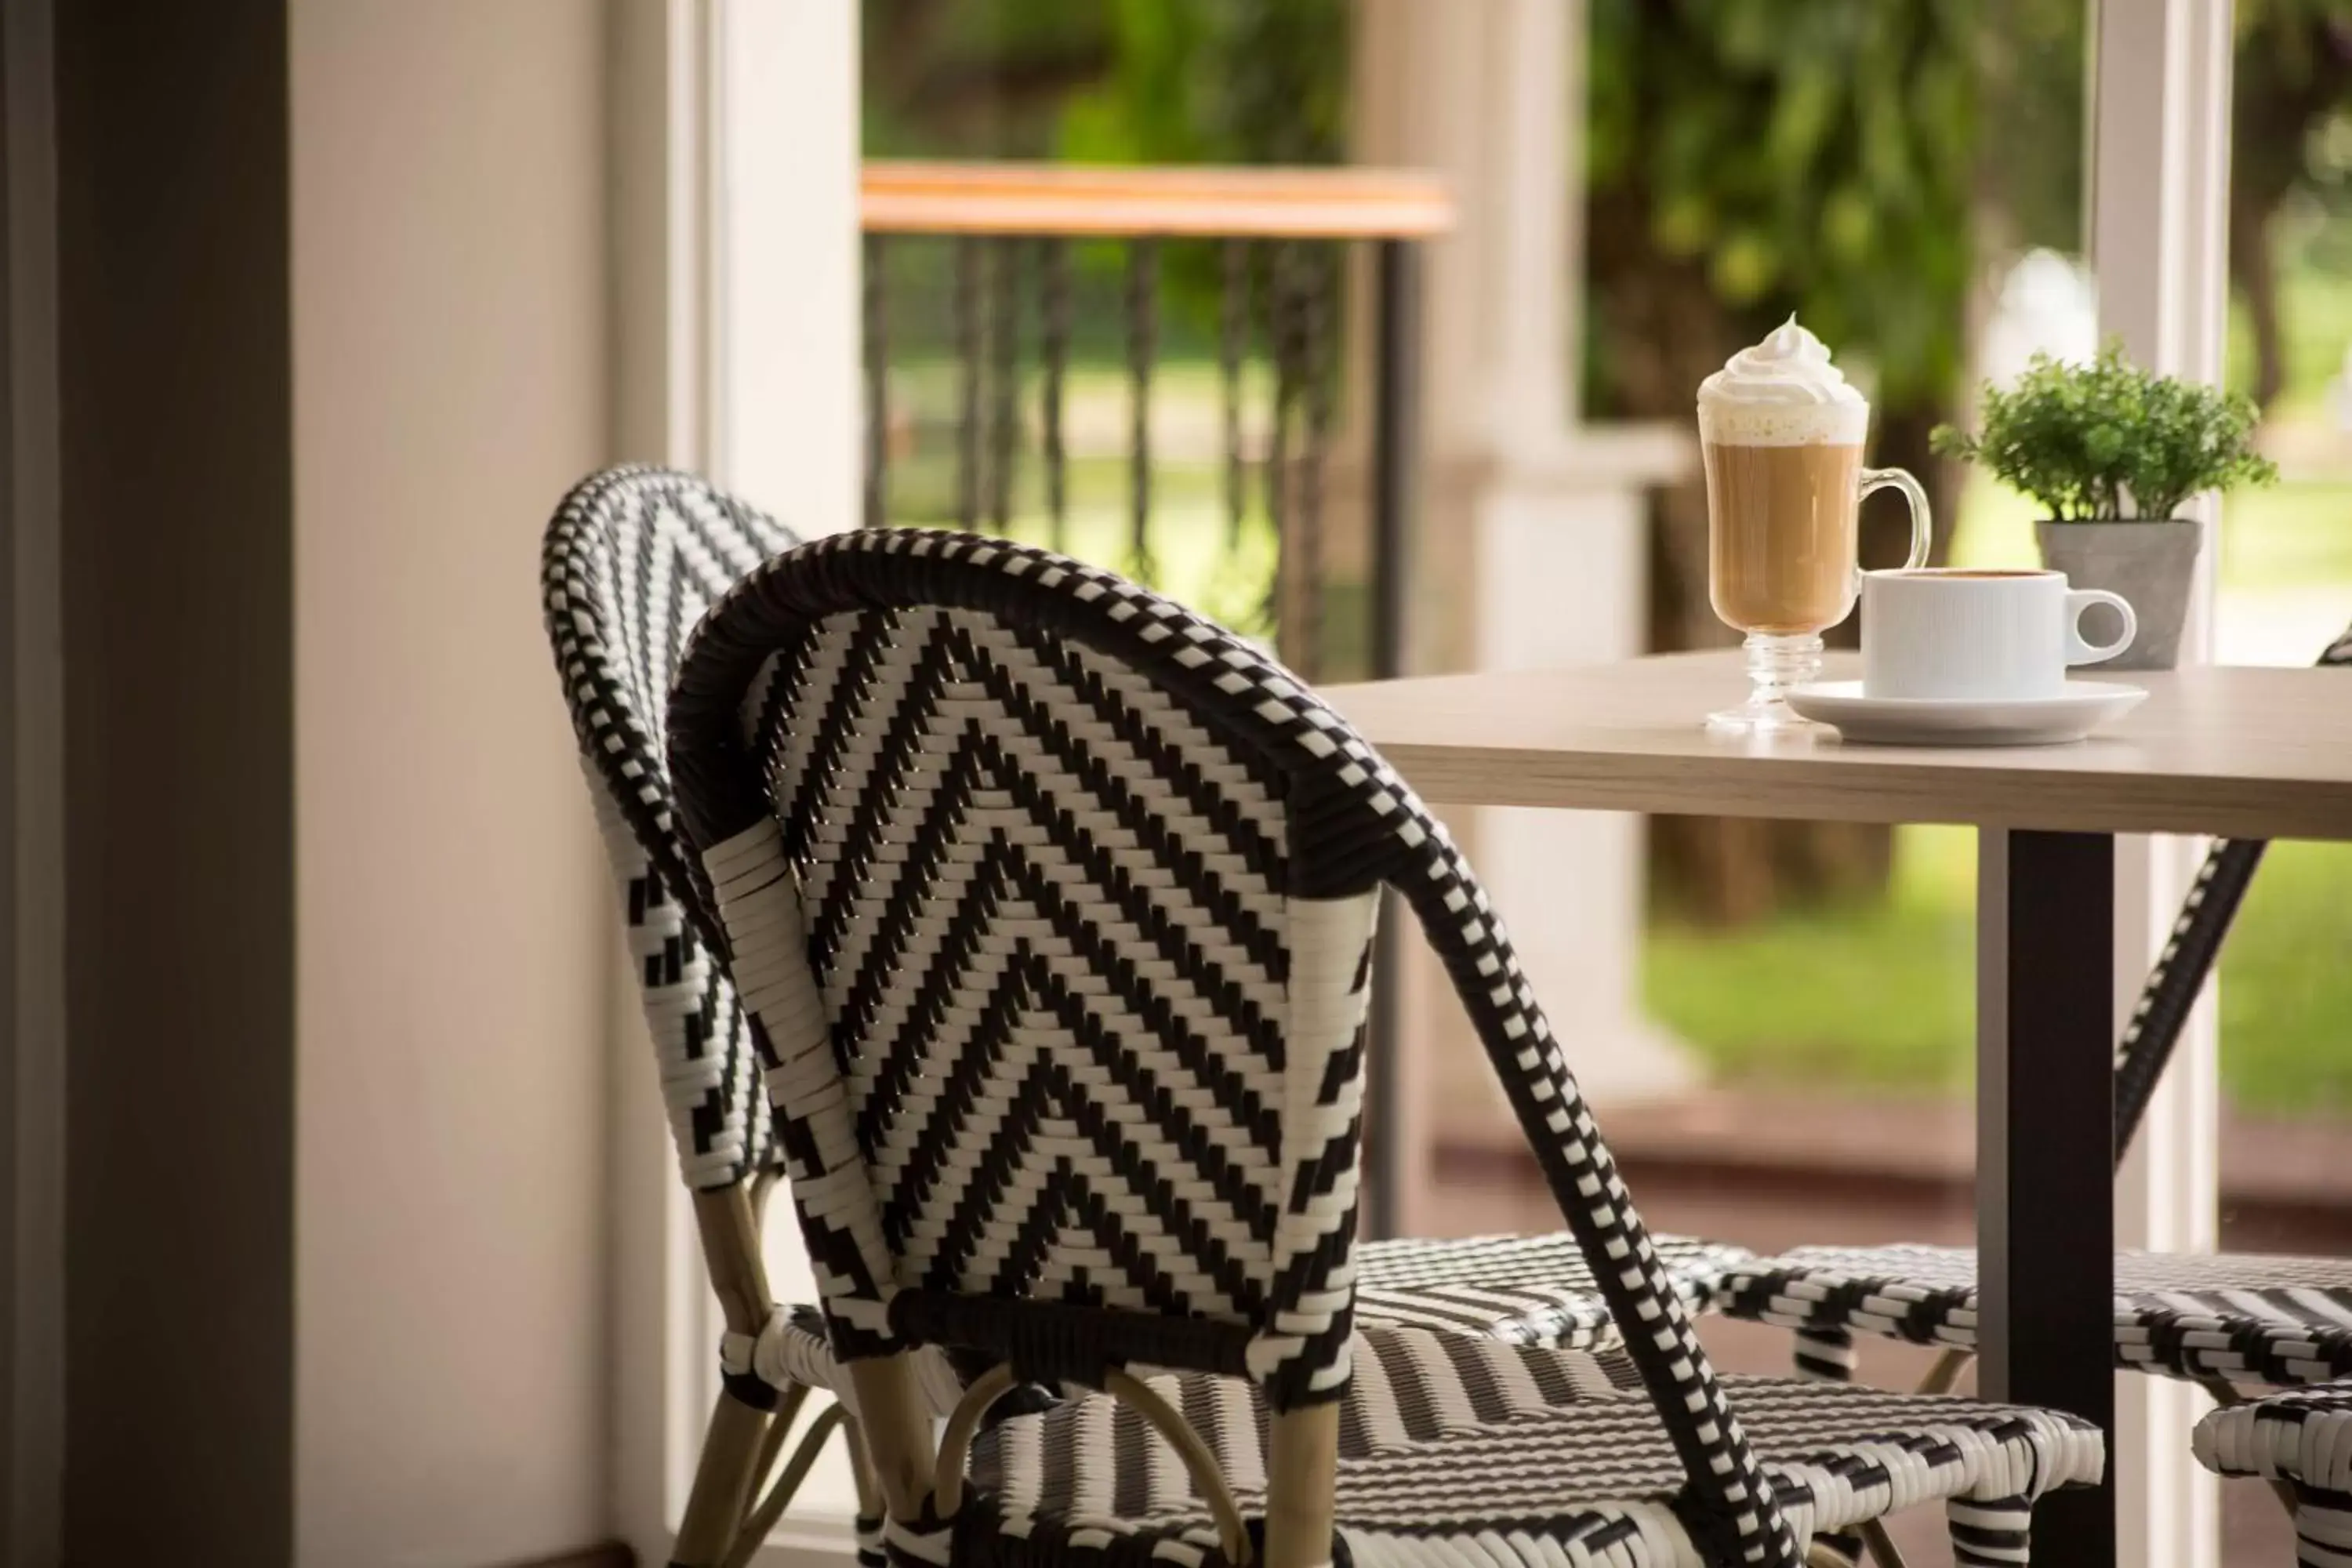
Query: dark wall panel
[177,491]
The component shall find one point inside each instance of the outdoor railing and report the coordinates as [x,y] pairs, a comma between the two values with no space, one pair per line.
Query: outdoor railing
[1048,269]
[1040,337]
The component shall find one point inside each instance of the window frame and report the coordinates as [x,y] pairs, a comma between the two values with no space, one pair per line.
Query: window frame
[735,292]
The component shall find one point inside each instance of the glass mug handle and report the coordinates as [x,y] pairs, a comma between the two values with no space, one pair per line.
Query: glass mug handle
[1914,497]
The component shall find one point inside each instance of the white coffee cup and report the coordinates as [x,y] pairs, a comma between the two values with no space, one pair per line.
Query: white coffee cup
[1959,633]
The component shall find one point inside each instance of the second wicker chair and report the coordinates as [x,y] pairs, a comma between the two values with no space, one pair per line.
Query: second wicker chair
[632,558]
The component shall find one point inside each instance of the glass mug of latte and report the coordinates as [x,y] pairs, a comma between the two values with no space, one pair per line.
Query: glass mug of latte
[1781,433]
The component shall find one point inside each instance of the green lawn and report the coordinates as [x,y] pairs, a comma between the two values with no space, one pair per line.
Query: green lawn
[1867,997]
[1878,997]
[2294,535]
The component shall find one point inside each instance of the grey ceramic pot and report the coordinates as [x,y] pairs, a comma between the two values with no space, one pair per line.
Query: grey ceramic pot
[2152,565]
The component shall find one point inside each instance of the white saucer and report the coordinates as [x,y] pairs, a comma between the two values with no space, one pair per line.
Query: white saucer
[2072,713]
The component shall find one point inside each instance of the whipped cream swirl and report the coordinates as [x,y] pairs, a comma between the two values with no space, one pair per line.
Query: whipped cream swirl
[1784,392]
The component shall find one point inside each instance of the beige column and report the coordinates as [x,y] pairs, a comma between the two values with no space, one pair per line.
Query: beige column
[1532,542]
[453,929]
[2160,233]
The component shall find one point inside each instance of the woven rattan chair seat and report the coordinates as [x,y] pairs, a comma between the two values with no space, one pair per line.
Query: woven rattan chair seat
[2243,1318]
[1455,1451]
[1527,1289]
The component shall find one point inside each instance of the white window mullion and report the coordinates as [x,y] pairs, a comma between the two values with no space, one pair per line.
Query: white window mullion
[2159,246]
[735,255]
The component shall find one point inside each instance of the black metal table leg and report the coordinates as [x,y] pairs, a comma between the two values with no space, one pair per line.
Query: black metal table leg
[2045,1163]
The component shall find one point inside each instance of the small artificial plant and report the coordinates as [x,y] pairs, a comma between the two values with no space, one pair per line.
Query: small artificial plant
[2108,440]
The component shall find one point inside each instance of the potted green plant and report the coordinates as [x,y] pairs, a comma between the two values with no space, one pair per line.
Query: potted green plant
[2112,452]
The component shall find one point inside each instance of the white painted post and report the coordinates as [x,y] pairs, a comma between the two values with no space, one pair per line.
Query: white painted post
[782,328]
[1532,545]
[735,175]
[2158,230]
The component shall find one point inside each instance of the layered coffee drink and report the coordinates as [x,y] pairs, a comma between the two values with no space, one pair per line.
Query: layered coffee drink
[1781,433]
[1781,546]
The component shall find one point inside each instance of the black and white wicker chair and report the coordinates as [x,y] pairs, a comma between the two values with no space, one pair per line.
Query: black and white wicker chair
[632,558]
[2227,1320]
[1052,904]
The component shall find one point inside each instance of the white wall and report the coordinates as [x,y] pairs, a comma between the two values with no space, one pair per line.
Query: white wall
[451,380]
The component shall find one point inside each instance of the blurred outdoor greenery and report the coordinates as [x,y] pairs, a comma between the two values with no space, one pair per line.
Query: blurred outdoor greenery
[1871,164]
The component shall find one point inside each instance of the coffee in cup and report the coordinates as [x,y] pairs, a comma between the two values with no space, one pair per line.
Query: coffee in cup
[1959,634]
[1781,432]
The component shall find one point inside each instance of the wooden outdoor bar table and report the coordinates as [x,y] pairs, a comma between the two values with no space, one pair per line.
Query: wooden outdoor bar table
[2239,752]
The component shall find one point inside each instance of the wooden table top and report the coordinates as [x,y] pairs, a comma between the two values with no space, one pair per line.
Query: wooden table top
[2247,752]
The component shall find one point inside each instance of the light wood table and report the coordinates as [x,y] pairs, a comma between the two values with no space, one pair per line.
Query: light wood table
[2242,753]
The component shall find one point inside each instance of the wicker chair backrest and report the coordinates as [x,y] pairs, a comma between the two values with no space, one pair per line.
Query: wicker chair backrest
[1053,903]
[630,562]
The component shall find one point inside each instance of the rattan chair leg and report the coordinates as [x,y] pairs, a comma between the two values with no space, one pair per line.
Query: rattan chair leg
[955,1442]
[1845,1547]
[869,1520]
[728,1223]
[1824,1356]
[1828,1356]
[762,1521]
[1990,1533]
[1944,1375]
[1208,1479]
[1302,1466]
[889,1406]
[1883,1550]
[772,1442]
[722,1484]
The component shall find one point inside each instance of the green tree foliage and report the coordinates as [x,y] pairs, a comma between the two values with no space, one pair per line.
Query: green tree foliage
[2290,126]
[1216,81]
[1211,81]
[1819,158]
[1108,81]
[977,78]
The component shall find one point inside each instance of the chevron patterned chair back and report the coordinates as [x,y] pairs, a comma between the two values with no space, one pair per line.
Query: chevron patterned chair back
[1052,904]
[632,558]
